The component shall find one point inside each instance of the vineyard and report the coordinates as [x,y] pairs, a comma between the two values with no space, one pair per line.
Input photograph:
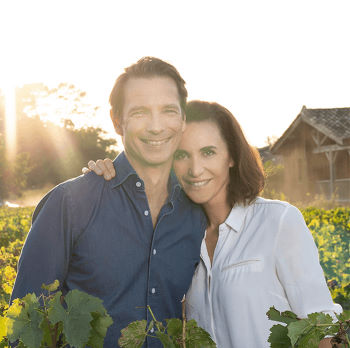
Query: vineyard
[330,229]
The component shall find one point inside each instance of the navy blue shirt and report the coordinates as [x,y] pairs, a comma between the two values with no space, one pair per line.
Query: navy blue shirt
[97,236]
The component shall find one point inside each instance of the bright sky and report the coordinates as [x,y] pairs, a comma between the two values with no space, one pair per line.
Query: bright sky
[263,60]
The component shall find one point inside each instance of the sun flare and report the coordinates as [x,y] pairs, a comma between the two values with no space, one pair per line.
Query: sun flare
[10,122]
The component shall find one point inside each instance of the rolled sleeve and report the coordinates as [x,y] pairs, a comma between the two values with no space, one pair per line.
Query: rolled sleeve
[298,267]
[46,251]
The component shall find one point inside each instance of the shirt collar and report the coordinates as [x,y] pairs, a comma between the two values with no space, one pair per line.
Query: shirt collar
[237,216]
[124,170]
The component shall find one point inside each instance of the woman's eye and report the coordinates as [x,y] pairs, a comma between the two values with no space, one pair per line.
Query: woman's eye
[208,153]
[179,155]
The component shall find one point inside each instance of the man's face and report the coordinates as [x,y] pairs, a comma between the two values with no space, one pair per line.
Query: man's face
[152,121]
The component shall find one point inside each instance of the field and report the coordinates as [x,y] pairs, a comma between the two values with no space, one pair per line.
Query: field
[330,229]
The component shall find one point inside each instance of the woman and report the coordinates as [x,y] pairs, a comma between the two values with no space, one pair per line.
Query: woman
[256,253]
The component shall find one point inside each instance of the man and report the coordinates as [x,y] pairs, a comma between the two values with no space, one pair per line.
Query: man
[133,241]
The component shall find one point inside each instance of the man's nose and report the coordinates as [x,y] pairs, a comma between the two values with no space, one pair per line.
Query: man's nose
[155,124]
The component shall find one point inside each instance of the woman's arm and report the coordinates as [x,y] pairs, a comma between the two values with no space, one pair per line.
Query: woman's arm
[101,167]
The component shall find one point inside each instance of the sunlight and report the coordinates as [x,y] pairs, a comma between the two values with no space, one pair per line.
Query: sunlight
[10,122]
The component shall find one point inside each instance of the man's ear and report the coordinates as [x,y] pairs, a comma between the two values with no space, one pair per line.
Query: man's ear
[116,123]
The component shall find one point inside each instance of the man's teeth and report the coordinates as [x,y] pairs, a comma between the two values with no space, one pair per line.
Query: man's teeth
[156,143]
[199,183]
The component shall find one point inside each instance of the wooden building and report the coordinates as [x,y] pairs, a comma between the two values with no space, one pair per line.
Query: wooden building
[315,151]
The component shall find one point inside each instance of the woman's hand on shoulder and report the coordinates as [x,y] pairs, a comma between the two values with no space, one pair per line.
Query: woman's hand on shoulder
[101,167]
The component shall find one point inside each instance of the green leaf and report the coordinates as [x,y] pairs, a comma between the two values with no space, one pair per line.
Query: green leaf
[79,322]
[133,335]
[284,317]
[297,329]
[24,321]
[56,312]
[165,339]
[99,325]
[51,287]
[196,337]
[309,332]
[279,337]
[174,327]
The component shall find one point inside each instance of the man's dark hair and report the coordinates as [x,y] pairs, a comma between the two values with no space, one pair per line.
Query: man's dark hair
[247,174]
[146,67]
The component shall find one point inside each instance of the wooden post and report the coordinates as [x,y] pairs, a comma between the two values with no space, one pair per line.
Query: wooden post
[331,156]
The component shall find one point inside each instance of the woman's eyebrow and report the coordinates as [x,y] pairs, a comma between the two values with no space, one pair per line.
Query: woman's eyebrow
[210,147]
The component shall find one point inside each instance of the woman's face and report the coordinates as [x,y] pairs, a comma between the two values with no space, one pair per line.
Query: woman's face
[202,163]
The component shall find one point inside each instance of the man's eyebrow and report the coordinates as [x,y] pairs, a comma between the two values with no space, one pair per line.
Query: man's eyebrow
[172,106]
[137,108]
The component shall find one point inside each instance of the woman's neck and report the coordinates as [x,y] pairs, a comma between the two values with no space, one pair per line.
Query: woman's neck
[217,213]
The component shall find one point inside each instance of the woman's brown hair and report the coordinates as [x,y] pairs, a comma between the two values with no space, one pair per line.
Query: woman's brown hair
[247,175]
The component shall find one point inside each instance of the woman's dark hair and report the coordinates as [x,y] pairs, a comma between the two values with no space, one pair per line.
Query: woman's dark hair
[247,174]
[146,67]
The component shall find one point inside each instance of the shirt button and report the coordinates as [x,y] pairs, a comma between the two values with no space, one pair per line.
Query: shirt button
[154,251]
[146,212]
[138,184]
[152,330]
[153,290]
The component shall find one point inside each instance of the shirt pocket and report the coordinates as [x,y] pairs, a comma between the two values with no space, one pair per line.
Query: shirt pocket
[248,265]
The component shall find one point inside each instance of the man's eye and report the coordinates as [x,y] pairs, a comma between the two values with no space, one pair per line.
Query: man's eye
[171,112]
[179,155]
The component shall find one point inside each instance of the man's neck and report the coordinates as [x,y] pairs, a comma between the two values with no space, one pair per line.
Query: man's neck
[156,180]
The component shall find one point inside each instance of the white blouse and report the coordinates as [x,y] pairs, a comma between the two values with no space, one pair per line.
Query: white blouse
[265,256]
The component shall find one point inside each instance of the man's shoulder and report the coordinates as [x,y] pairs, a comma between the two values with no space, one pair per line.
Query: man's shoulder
[77,193]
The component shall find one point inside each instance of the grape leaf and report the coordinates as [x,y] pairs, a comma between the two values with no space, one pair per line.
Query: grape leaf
[279,337]
[165,339]
[174,327]
[133,335]
[77,318]
[282,317]
[196,337]
[51,287]
[99,326]
[306,333]
[23,321]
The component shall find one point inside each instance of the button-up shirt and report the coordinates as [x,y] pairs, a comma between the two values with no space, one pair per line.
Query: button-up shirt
[97,236]
[265,256]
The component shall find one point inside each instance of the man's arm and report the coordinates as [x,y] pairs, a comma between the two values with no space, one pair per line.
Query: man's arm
[47,249]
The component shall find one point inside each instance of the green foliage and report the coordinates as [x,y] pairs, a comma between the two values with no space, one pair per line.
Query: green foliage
[78,319]
[331,232]
[175,334]
[307,332]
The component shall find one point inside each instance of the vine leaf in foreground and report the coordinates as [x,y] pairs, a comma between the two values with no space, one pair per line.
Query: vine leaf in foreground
[279,337]
[133,335]
[79,316]
[309,331]
[23,321]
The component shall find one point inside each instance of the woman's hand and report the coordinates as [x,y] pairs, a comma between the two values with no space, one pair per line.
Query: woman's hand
[101,167]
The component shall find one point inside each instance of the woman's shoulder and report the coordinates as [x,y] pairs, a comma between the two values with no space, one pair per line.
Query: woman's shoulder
[271,206]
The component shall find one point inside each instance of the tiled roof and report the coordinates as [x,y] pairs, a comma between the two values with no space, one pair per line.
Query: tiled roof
[335,123]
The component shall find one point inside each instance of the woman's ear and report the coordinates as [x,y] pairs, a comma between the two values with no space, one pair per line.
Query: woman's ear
[184,122]
[116,123]
[231,164]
